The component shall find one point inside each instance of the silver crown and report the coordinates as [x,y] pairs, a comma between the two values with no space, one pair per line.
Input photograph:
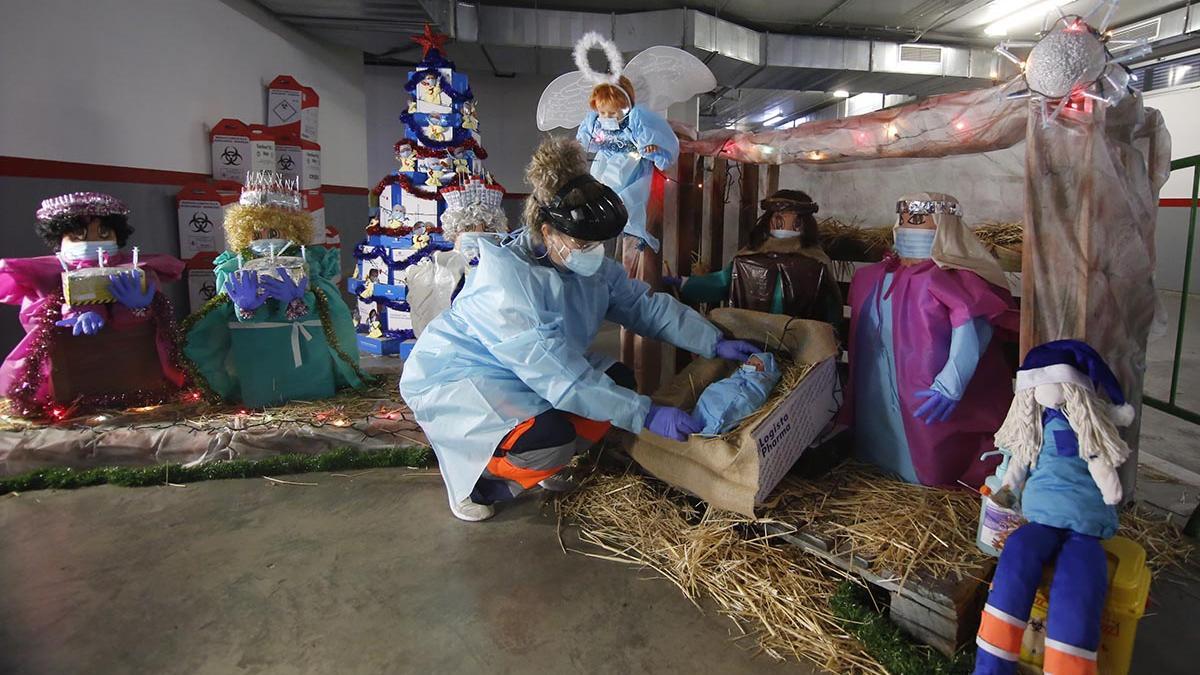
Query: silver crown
[472,192]
[928,207]
[268,188]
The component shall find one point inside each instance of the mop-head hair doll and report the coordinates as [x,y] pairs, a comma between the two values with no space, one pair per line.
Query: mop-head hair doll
[1065,454]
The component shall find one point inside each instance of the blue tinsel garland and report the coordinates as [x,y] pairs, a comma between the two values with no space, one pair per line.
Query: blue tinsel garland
[377,252]
[459,137]
[447,88]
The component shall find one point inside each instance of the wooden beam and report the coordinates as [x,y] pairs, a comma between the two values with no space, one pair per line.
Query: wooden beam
[713,249]
[772,179]
[691,207]
[748,213]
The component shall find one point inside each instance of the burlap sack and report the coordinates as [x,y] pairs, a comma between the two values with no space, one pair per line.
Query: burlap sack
[736,473]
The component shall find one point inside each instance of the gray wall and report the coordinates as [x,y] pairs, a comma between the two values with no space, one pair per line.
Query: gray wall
[152,214]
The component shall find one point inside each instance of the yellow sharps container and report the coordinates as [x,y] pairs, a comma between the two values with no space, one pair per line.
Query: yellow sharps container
[1128,588]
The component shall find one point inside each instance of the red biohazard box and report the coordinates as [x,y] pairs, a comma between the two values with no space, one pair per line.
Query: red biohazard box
[201,210]
[314,202]
[201,282]
[298,158]
[238,149]
[292,107]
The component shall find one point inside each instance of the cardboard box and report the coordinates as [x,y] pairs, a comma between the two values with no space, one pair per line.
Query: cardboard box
[739,470]
[398,320]
[314,202]
[201,208]
[201,282]
[309,105]
[285,103]
[238,149]
[90,285]
[299,159]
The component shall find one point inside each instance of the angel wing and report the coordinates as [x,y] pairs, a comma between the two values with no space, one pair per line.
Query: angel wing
[564,103]
[663,76]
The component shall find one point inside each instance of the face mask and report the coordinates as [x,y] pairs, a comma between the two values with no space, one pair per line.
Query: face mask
[785,234]
[610,123]
[468,242]
[584,263]
[76,251]
[265,246]
[912,242]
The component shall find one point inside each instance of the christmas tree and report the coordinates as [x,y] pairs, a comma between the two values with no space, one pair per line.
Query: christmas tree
[439,154]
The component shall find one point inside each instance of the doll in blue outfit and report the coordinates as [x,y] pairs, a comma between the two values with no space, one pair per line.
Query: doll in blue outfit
[1065,454]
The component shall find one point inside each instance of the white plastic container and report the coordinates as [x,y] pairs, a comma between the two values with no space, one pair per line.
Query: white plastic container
[995,521]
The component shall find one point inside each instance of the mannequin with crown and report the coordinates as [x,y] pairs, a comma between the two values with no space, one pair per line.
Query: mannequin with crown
[279,330]
[473,213]
[88,299]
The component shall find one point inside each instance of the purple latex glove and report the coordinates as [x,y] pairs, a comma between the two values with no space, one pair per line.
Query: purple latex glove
[737,350]
[677,282]
[242,288]
[126,287]
[672,423]
[88,323]
[284,288]
[936,408]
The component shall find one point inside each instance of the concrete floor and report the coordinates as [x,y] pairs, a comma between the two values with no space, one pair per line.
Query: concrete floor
[368,574]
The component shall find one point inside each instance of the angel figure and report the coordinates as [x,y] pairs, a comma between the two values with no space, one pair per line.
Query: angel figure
[621,118]
[470,118]
[436,128]
[462,161]
[429,89]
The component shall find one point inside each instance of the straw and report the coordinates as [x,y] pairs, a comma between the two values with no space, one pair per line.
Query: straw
[777,598]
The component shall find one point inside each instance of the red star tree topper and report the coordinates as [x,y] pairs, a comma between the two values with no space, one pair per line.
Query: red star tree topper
[430,40]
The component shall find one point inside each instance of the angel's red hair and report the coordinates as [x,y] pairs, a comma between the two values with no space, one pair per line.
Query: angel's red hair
[608,95]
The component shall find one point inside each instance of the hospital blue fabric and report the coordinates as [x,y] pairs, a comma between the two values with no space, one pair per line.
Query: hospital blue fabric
[514,344]
[726,402]
[967,344]
[1059,491]
[1077,591]
[882,440]
[620,164]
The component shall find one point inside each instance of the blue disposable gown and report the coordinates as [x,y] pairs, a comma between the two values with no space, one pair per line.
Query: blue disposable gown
[514,345]
[621,165]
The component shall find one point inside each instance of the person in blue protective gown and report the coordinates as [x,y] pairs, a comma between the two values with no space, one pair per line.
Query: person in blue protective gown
[502,382]
[929,383]
[1065,453]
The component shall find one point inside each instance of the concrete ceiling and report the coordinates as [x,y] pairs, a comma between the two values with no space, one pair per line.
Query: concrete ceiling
[382,30]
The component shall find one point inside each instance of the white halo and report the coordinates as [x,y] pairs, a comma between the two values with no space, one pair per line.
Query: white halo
[616,63]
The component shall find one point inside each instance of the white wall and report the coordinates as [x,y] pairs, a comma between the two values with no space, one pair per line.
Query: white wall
[507,120]
[1179,109]
[139,82]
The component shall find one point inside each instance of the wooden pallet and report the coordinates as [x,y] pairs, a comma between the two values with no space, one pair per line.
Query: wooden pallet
[942,613]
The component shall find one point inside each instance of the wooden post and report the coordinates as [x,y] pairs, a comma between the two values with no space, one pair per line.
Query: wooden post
[643,355]
[748,213]
[713,249]
[687,241]
[772,179]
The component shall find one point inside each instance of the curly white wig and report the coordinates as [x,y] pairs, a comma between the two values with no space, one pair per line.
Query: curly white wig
[468,218]
[1089,416]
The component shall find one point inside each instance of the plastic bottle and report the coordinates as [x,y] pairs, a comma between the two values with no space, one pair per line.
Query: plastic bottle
[994,520]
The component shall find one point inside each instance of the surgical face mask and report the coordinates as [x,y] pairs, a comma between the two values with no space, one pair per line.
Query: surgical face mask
[584,262]
[468,242]
[265,246]
[912,242]
[610,123]
[76,251]
[785,234]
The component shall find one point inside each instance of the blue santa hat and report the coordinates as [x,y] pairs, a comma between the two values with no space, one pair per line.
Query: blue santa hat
[1075,362]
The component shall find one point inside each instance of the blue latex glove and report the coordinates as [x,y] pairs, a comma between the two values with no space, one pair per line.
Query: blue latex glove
[126,287]
[88,323]
[672,423]
[242,288]
[284,288]
[936,408]
[737,350]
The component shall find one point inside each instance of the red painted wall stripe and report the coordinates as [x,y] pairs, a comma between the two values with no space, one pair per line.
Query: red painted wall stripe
[27,167]
[1176,201]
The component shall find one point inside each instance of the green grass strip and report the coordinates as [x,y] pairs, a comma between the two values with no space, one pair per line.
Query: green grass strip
[340,459]
[884,640]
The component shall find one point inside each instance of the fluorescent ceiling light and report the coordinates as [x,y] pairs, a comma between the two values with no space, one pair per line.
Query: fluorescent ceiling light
[841,93]
[773,121]
[1021,13]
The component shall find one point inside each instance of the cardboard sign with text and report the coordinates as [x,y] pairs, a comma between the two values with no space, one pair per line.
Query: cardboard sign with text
[238,149]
